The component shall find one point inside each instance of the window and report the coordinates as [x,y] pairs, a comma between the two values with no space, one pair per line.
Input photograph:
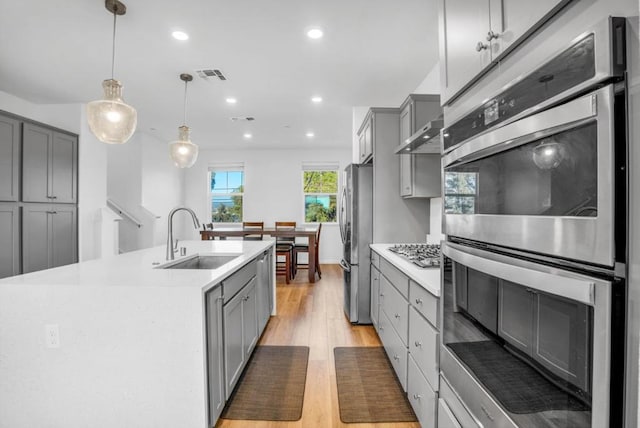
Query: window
[320,189]
[226,186]
[460,191]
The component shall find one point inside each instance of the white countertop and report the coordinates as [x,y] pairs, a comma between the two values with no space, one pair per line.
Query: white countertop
[137,268]
[428,278]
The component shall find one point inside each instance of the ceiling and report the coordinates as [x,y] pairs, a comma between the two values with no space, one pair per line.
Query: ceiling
[373,53]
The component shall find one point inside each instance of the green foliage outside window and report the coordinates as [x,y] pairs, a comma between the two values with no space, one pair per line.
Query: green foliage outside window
[320,199]
[460,190]
[227,192]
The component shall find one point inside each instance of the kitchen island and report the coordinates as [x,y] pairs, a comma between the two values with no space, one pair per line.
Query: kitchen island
[113,342]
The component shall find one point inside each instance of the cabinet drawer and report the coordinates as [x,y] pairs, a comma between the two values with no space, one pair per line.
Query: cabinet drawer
[454,404]
[445,416]
[425,302]
[421,396]
[395,349]
[396,308]
[233,284]
[423,346]
[397,278]
[375,259]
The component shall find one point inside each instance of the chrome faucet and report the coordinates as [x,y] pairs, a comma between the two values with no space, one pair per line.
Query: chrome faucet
[196,224]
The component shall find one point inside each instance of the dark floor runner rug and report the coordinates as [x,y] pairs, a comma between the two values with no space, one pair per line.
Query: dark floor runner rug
[272,385]
[368,389]
[515,384]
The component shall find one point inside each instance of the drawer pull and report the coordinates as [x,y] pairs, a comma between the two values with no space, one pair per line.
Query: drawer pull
[381,328]
[418,344]
[381,294]
[486,412]
[417,396]
[418,301]
[396,357]
[397,316]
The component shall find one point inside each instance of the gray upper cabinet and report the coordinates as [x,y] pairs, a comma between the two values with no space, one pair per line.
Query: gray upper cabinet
[474,35]
[420,175]
[49,236]
[49,165]
[9,159]
[10,239]
[366,138]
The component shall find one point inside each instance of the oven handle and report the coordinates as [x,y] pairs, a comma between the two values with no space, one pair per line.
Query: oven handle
[532,275]
[552,121]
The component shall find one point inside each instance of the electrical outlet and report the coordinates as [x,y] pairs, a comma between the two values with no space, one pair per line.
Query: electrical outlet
[52,335]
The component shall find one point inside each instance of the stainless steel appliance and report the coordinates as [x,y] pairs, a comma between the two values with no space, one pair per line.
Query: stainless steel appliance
[545,183]
[356,231]
[533,309]
[422,255]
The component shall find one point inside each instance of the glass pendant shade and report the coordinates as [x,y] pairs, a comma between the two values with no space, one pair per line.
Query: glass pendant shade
[183,152]
[110,119]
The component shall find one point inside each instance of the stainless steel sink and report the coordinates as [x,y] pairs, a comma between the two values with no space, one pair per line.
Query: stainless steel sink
[202,262]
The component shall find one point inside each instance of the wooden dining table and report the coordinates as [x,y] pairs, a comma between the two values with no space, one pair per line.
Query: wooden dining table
[299,232]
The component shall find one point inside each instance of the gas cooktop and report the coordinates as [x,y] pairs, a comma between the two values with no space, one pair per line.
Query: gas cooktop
[423,255]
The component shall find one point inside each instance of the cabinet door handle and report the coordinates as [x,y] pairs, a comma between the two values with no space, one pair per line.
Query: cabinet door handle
[418,344]
[491,35]
[418,301]
[395,357]
[381,328]
[52,212]
[481,46]
[417,396]
[381,294]
[397,316]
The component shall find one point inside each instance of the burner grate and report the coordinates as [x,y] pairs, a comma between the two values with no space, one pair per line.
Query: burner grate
[423,255]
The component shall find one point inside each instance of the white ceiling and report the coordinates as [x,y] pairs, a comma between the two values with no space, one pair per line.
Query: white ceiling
[374,53]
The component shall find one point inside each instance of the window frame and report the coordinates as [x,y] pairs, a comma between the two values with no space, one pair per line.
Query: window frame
[234,167]
[319,167]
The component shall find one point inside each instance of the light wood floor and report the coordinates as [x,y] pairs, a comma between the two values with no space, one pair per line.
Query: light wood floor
[311,315]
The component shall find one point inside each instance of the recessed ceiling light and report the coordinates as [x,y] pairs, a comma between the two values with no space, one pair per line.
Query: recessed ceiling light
[231,100]
[247,135]
[180,35]
[316,99]
[310,134]
[315,33]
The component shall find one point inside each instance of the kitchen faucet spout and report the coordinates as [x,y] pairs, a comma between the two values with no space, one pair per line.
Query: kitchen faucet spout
[196,224]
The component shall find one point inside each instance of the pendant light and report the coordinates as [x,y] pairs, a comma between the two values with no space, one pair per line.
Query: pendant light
[183,152]
[110,119]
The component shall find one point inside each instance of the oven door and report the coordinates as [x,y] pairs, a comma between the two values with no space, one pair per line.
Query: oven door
[544,183]
[526,345]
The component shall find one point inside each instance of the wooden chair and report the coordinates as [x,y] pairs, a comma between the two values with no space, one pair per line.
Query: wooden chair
[258,226]
[283,267]
[287,244]
[304,248]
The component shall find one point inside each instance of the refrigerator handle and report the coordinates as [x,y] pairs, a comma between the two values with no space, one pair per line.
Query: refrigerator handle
[345,267]
[342,225]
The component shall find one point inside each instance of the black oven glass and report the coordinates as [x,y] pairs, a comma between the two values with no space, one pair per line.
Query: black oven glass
[554,176]
[532,351]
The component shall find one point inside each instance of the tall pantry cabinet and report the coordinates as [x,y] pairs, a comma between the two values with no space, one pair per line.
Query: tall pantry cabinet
[38,196]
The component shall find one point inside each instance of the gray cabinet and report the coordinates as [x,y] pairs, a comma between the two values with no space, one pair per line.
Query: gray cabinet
[49,165]
[365,138]
[10,239]
[375,295]
[240,333]
[49,236]
[420,175]
[475,35]
[215,355]
[9,159]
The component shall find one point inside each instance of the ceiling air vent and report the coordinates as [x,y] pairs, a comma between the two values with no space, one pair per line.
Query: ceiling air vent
[211,74]
[243,118]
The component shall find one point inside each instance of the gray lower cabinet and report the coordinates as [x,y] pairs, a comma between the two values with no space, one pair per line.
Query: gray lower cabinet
[49,236]
[422,398]
[240,333]
[10,239]
[375,295]
[9,159]
[49,165]
[215,354]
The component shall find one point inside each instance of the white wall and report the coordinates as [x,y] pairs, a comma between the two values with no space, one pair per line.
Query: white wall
[145,183]
[273,189]
[91,164]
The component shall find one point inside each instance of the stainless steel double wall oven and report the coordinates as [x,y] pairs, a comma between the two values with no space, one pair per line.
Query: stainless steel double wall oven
[535,217]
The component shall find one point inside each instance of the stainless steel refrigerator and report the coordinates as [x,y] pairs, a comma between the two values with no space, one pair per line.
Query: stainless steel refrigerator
[356,231]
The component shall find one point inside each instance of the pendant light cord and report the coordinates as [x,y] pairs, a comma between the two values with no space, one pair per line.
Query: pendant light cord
[113,50]
[184,115]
